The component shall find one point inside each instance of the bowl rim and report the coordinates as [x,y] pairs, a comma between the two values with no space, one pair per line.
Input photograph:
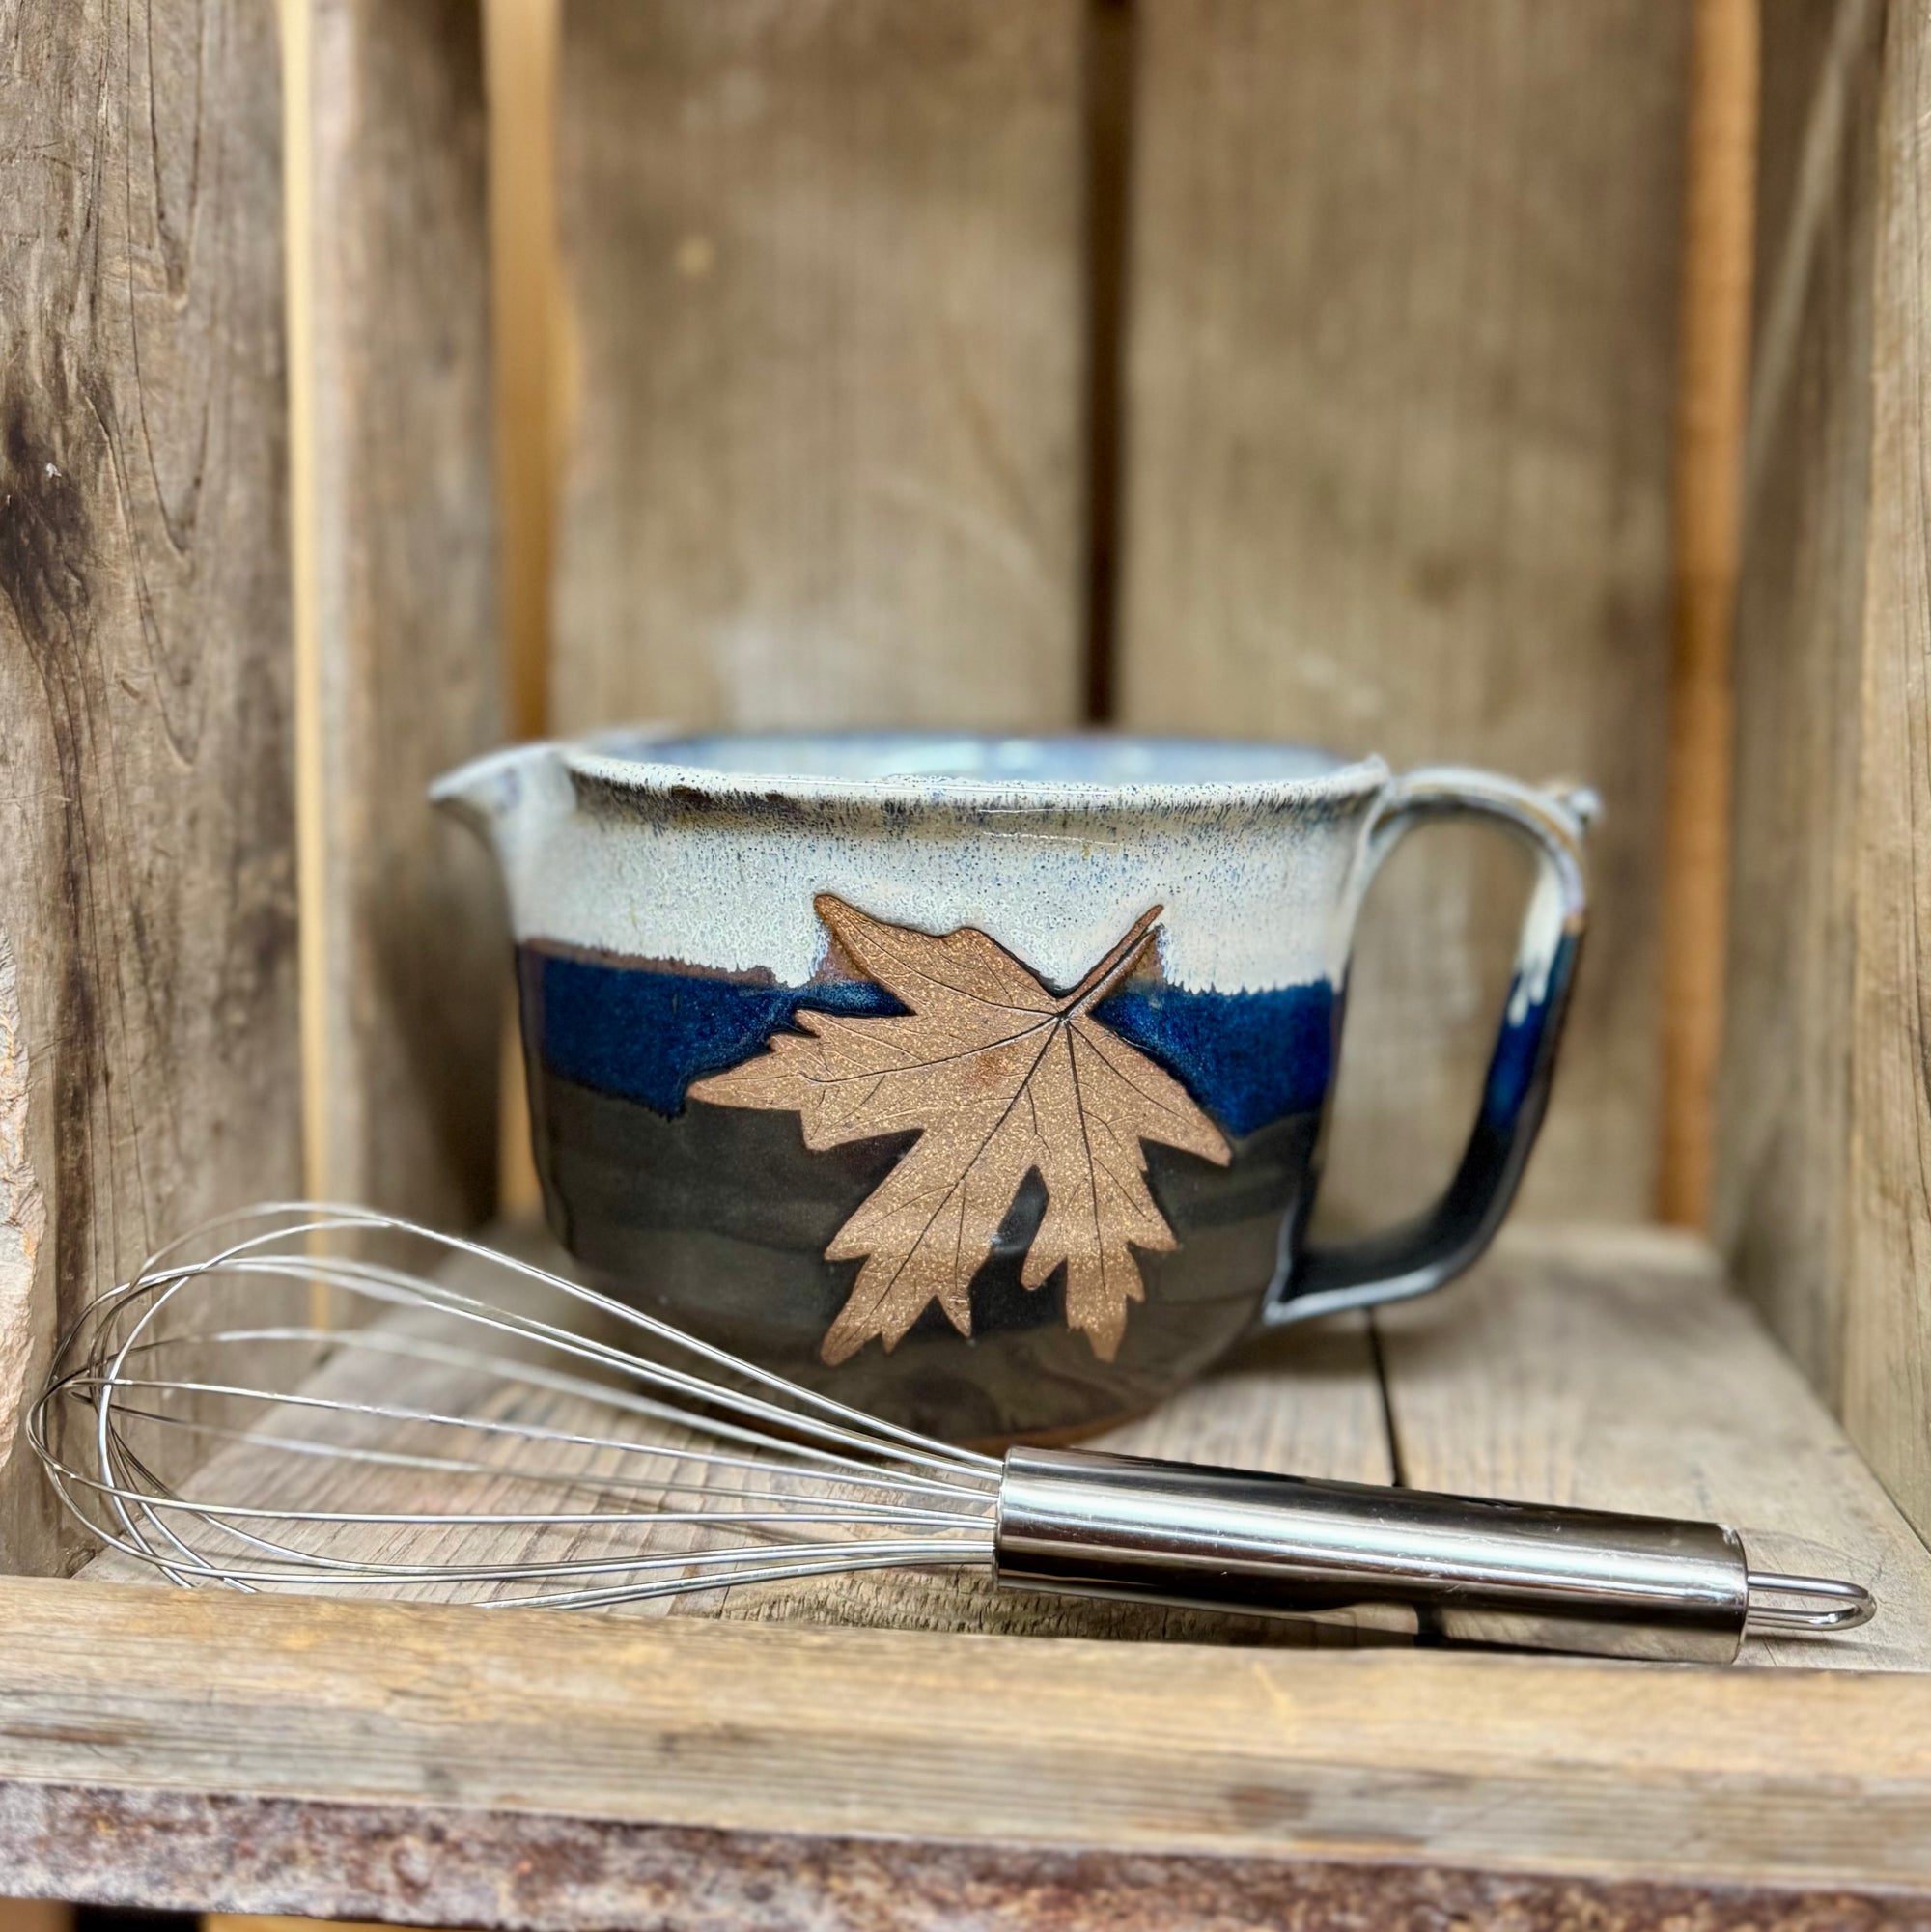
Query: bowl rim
[621,760]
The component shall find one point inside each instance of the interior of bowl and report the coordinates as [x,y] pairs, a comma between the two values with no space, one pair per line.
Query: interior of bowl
[1089,758]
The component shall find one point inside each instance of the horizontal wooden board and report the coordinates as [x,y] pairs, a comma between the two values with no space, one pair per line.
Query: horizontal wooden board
[461,1720]
[746,1882]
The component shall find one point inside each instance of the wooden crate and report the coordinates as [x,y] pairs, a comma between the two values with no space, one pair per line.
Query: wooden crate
[1362,372]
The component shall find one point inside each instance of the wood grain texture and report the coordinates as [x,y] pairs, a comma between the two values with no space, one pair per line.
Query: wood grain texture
[455,1717]
[827,347]
[1785,1090]
[409,669]
[1711,386]
[1572,1367]
[1404,332]
[1621,1373]
[1887,1282]
[146,874]
[540,1873]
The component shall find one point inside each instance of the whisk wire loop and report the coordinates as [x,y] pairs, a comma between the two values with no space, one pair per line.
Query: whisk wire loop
[538,1463]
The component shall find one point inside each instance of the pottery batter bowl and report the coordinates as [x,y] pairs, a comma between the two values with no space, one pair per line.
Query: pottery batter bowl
[979,1081]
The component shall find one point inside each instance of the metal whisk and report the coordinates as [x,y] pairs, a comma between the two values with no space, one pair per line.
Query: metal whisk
[274,1410]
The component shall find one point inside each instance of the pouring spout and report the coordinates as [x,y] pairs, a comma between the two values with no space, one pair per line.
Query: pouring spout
[494,791]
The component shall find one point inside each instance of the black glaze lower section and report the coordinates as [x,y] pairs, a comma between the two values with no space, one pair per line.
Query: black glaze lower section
[726,1240]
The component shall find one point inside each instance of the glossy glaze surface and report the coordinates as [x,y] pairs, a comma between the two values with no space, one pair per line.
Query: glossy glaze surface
[674,901]
[718,1219]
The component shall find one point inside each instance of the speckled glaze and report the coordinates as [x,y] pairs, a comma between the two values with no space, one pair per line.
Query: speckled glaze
[662,890]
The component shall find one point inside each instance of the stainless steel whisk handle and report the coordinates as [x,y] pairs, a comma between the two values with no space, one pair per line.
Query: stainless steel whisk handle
[1468,1570]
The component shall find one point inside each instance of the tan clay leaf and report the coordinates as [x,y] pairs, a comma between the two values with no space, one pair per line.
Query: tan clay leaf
[1000,1078]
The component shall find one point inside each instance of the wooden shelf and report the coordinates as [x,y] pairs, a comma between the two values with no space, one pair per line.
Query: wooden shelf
[437,1763]
[1254,369]
[322,1737]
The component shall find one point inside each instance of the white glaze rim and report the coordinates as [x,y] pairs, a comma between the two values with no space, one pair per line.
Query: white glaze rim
[631,771]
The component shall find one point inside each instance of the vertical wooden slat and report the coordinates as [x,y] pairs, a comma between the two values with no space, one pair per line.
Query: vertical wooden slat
[1783,1094]
[148,972]
[1887,1372]
[295,20]
[408,653]
[827,335]
[1404,332]
[1711,385]
[520,39]
[1827,1106]
[525,290]
[34,1915]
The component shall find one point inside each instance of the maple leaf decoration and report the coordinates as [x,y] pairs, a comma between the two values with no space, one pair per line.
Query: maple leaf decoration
[1000,1076]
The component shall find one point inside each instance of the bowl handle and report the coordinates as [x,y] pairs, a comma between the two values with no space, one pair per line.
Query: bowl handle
[1439,1243]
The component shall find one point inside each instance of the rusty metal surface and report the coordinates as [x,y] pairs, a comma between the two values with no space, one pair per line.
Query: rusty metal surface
[525,1872]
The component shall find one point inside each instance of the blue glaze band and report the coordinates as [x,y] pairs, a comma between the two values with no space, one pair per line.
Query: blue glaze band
[646,1035]
[1518,1052]
[1248,1058]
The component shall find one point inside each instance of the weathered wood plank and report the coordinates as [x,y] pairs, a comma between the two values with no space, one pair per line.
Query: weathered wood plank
[1621,1373]
[458,1721]
[1886,1313]
[404,1010]
[827,320]
[1827,1206]
[1783,1096]
[1610,1368]
[148,969]
[548,1874]
[1404,331]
